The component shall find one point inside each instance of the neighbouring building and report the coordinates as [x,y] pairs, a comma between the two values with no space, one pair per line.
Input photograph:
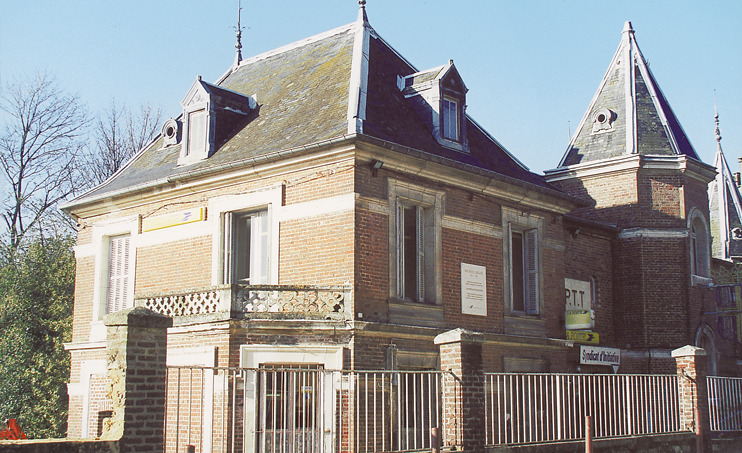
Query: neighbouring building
[328,205]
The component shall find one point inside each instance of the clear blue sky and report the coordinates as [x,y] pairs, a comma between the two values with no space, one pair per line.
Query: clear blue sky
[532,67]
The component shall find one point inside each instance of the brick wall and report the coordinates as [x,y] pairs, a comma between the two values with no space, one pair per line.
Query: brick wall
[178,264]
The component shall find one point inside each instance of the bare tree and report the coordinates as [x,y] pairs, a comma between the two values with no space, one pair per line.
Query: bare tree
[119,134]
[41,140]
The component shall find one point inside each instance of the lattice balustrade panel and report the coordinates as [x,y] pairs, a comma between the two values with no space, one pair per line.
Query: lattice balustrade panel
[185,304]
[314,303]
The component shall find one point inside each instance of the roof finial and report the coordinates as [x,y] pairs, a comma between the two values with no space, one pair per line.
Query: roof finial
[362,17]
[627,28]
[717,131]
[238,29]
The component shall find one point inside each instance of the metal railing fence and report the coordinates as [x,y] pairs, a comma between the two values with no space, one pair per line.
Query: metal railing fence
[725,403]
[531,408]
[302,409]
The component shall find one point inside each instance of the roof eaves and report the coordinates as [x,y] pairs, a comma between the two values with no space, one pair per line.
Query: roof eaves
[208,171]
[472,169]
[64,207]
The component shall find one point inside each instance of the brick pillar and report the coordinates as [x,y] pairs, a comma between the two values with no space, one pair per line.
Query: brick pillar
[463,396]
[136,351]
[690,362]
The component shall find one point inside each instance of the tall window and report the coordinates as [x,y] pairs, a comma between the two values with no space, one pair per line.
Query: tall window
[450,120]
[699,246]
[196,132]
[524,270]
[415,253]
[119,279]
[246,247]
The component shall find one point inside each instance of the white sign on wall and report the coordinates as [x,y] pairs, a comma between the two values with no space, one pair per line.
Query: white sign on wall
[473,290]
[594,355]
[578,294]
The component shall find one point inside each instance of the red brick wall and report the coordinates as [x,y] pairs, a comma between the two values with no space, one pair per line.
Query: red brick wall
[179,264]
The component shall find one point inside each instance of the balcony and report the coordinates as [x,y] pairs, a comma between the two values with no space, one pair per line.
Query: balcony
[253,302]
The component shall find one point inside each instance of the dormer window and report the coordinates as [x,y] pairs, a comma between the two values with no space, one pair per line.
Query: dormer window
[450,119]
[211,114]
[438,95]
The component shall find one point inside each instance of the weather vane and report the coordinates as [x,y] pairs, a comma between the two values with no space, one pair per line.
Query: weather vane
[238,29]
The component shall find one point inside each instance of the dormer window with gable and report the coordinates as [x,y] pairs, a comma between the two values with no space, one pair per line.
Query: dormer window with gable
[438,95]
[210,117]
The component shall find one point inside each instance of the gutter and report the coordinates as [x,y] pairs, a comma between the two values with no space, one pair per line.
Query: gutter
[343,139]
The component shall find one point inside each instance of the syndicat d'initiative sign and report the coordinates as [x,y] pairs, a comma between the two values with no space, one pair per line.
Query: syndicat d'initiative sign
[593,355]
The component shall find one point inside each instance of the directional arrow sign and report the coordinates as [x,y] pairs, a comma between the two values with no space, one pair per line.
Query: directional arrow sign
[580,336]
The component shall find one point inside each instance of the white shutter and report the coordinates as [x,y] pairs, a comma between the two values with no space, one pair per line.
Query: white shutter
[259,248]
[420,254]
[227,246]
[400,249]
[118,273]
[531,264]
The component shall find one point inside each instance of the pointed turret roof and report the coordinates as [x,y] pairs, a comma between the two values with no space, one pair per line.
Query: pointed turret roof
[725,208]
[628,115]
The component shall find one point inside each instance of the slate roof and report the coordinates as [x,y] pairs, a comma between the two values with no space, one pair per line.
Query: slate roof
[642,123]
[725,208]
[305,95]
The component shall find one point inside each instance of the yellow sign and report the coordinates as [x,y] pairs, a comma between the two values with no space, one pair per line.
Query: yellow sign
[583,337]
[173,219]
[578,319]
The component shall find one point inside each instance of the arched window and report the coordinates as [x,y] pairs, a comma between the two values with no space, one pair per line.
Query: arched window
[700,253]
[705,340]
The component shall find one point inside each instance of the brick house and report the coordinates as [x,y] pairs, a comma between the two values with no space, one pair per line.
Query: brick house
[326,204]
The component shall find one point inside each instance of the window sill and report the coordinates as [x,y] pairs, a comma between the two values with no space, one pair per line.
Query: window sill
[415,313]
[524,325]
[697,280]
[453,144]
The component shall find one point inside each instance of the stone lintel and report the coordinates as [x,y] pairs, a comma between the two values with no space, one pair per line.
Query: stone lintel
[688,351]
[139,317]
[459,335]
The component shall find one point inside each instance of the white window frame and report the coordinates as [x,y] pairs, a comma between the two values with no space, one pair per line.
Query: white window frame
[188,154]
[700,248]
[102,234]
[532,227]
[268,199]
[448,116]
[258,245]
[429,214]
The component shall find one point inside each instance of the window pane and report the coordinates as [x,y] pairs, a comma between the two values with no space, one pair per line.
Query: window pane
[249,248]
[410,252]
[196,131]
[449,120]
[518,276]
[241,249]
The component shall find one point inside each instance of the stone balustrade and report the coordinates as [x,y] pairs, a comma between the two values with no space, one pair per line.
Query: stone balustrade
[254,301]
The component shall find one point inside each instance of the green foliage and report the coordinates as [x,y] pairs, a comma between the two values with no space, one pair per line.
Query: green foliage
[36,295]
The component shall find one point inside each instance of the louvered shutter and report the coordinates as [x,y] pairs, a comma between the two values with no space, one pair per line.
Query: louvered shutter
[118,273]
[400,249]
[531,265]
[259,248]
[227,247]
[420,254]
